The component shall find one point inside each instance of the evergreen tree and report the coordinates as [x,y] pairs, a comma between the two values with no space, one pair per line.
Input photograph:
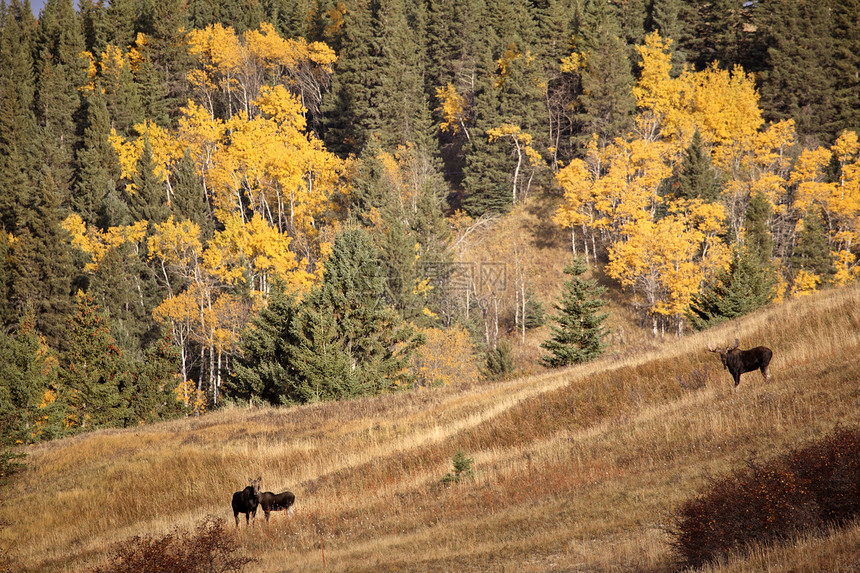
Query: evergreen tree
[60,70]
[147,200]
[189,198]
[671,19]
[92,370]
[19,138]
[799,83]
[607,100]
[488,171]
[758,240]
[263,370]
[42,269]
[27,380]
[740,289]
[347,109]
[696,179]
[98,164]
[812,251]
[348,342]
[399,111]
[846,62]
[579,335]
[150,389]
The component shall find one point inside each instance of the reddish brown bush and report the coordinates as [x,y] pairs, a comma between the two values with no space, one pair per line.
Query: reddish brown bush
[210,548]
[815,486]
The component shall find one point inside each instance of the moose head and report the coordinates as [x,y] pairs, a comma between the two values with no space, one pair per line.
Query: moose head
[246,501]
[738,361]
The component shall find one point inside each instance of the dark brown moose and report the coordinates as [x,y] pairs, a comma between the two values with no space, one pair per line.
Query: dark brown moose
[738,361]
[246,501]
[276,502]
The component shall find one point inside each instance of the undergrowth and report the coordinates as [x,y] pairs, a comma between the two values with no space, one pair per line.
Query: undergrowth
[209,548]
[811,488]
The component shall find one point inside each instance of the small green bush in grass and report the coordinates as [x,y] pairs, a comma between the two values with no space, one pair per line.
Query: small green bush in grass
[462,468]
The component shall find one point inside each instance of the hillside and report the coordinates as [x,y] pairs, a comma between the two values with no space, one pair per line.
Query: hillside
[573,470]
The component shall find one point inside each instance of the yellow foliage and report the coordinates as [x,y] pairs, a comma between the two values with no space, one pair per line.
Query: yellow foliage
[805,283]
[447,357]
[453,108]
[97,243]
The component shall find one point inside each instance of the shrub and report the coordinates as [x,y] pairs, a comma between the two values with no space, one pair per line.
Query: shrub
[499,361]
[812,487]
[462,468]
[207,549]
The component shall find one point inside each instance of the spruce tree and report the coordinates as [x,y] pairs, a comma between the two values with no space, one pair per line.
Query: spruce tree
[348,341]
[696,179]
[93,370]
[150,389]
[607,81]
[671,19]
[27,378]
[812,250]
[263,371]
[799,83]
[98,164]
[579,335]
[746,285]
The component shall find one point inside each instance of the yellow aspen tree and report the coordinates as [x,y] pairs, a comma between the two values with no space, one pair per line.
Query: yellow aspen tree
[97,243]
[453,108]
[522,144]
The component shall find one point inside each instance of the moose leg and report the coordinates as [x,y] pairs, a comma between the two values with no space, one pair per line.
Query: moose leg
[267,515]
[765,373]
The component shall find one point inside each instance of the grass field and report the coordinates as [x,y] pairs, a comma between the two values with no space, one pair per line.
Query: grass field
[578,469]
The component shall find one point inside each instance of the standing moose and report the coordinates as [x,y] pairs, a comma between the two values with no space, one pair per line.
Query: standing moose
[276,502]
[738,361]
[246,501]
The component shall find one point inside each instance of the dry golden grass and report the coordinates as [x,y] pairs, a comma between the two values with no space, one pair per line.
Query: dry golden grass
[579,469]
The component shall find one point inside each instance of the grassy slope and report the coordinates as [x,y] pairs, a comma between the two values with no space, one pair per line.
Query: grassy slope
[576,469]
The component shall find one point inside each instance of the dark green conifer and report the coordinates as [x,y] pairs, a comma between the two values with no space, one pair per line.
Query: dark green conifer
[743,287]
[799,83]
[696,179]
[579,335]
[93,370]
[348,341]
[25,376]
[812,250]
[263,371]
[98,164]
[606,100]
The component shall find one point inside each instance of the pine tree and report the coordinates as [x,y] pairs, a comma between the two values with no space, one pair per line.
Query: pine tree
[148,199]
[399,109]
[19,139]
[98,164]
[697,178]
[347,109]
[740,289]
[151,386]
[579,335]
[607,100]
[263,370]
[348,342]
[671,19]
[189,198]
[43,270]
[846,62]
[799,83]
[812,251]
[27,378]
[92,370]
[60,69]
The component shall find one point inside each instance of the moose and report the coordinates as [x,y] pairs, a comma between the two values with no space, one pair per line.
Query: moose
[276,502]
[738,361]
[246,501]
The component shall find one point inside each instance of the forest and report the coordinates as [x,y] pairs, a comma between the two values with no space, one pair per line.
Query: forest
[208,202]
